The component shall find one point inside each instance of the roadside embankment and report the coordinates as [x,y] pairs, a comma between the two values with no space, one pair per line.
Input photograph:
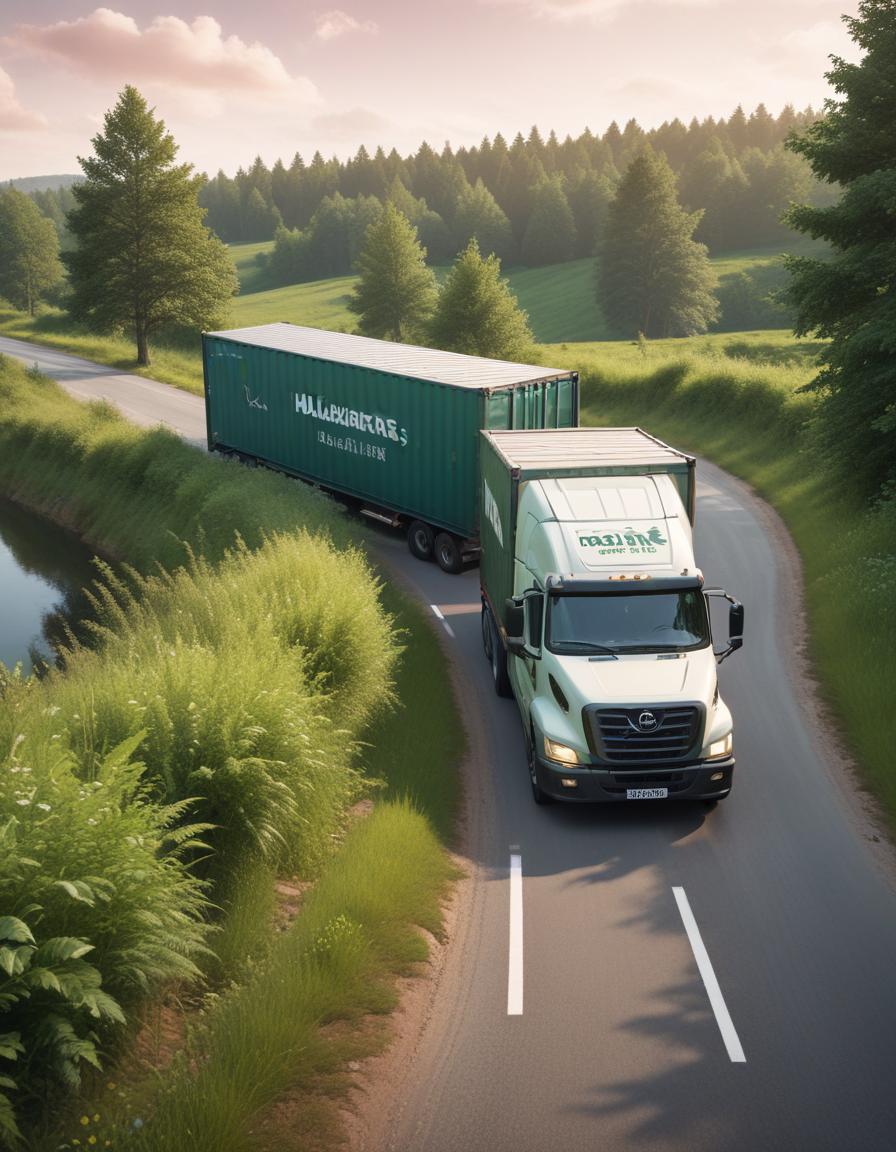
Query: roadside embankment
[750,418]
[211,739]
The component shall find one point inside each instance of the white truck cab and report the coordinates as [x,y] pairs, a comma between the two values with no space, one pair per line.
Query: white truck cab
[605,638]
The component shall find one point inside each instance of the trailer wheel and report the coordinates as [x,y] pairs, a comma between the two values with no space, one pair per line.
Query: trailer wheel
[487,631]
[499,665]
[421,540]
[448,554]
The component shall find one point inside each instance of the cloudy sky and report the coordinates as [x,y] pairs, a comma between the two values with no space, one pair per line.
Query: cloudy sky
[236,79]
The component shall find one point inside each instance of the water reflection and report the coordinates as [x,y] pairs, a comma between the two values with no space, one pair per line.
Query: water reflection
[43,571]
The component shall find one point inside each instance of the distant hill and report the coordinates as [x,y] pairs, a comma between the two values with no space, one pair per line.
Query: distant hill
[43,183]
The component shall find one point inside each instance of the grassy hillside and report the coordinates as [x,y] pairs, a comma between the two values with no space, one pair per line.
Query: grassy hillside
[559,299]
[320,304]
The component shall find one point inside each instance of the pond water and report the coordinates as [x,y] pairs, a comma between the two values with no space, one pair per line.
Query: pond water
[43,570]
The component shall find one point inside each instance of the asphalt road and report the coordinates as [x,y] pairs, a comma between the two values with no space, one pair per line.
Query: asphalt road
[619,1045]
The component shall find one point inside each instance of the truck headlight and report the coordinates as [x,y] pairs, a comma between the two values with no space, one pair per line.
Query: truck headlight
[721,748]
[560,752]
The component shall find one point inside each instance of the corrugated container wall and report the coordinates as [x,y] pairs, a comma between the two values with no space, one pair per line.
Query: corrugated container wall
[405,444]
[510,459]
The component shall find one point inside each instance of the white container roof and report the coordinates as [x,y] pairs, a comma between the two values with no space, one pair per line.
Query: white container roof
[408,360]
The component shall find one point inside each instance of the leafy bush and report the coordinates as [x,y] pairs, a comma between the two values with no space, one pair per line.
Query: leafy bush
[98,907]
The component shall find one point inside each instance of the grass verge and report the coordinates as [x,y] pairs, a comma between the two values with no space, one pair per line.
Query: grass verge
[142,495]
[749,418]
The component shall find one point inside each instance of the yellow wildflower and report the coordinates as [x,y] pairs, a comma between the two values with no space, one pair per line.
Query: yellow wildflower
[85,1120]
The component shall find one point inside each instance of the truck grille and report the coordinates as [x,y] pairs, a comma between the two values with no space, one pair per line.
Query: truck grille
[617,734]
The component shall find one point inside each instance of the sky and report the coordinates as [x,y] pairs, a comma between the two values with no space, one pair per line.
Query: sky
[233,80]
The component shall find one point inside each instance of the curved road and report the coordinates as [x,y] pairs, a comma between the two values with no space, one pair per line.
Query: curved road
[619,1045]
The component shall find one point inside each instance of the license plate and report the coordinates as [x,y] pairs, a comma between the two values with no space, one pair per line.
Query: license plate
[646,793]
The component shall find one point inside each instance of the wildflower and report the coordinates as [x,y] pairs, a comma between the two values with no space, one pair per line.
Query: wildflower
[137,1123]
[85,1120]
[96,1117]
[91,1139]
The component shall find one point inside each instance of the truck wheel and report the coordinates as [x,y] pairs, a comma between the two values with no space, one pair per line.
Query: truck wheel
[538,795]
[448,554]
[487,632]
[420,540]
[499,665]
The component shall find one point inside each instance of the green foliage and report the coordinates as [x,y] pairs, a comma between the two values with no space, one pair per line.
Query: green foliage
[251,680]
[652,277]
[336,962]
[851,297]
[550,236]
[99,910]
[395,293]
[477,313]
[144,257]
[479,217]
[29,251]
[750,298]
[590,193]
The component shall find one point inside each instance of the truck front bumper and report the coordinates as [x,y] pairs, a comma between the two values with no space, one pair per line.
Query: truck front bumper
[704,780]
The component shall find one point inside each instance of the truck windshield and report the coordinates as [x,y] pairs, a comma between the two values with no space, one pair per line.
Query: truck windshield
[627,622]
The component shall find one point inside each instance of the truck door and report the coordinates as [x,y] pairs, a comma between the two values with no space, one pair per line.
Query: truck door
[525,668]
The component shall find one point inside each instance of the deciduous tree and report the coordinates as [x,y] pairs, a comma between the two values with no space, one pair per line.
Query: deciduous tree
[144,257]
[29,251]
[851,297]
[477,313]
[396,292]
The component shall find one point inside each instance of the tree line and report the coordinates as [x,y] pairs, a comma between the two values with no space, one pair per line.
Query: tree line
[532,201]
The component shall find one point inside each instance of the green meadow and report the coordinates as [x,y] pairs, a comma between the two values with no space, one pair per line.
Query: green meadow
[559,299]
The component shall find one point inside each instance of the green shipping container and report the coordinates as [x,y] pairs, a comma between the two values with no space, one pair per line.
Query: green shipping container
[394,425]
[510,459]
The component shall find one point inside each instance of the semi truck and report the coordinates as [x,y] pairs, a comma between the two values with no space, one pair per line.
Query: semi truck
[595,617]
[392,427]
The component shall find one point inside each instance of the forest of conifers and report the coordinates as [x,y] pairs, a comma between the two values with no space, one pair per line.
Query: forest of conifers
[534,201]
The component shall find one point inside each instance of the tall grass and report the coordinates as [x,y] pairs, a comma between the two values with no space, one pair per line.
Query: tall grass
[334,963]
[233,678]
[752,419]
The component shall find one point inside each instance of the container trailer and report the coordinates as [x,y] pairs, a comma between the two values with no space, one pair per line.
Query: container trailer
[392,426]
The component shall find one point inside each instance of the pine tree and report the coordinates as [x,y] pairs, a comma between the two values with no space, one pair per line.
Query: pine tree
[477,313]
[29,251]
[550,236]
[652,277]
[396,292]
[479,217]
[850,297]
[144,256]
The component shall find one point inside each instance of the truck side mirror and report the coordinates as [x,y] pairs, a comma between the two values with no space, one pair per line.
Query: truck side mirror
[735,622]
[515,618]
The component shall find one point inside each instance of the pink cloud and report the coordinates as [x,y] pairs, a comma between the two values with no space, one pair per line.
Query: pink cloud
[351,124]
[332,25]
[13,117]
[168,50]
